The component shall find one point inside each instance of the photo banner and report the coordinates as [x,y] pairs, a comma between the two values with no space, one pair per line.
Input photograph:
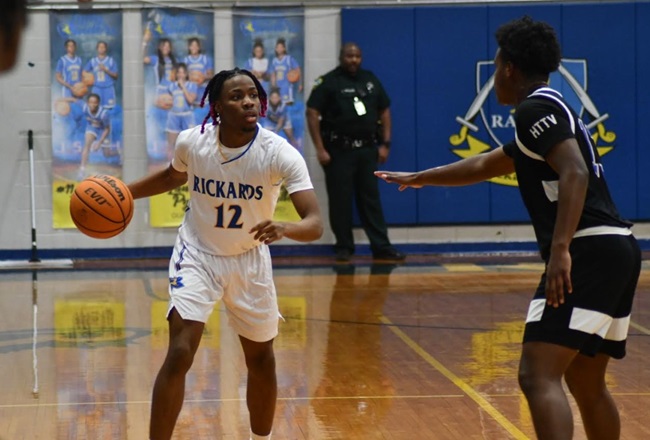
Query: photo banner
[271,44]
[86,96]
[178,56]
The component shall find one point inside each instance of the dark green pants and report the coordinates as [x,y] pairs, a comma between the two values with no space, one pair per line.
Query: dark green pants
[349,177]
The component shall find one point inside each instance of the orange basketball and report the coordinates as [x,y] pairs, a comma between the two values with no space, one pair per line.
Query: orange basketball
[293,75]
[197,77]
[79,89]
[165,101]
[87,78]
[101,206]
[62,107]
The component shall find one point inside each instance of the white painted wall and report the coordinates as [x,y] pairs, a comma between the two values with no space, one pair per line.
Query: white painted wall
[25,104]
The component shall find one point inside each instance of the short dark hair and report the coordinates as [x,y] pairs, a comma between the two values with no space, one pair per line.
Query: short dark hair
[530,45]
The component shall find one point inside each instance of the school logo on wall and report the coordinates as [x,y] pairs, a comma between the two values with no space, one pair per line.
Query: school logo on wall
[487,123]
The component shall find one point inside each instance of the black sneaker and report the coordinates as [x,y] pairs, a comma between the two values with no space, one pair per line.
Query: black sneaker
[343,255]
[389,254]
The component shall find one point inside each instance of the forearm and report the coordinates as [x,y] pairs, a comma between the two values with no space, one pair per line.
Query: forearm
[61,81]
[103,137]
[157,183]
[468,171]
[189,97]
[386,126]
[307,229]
[310,225]
[313,124]
[572,188]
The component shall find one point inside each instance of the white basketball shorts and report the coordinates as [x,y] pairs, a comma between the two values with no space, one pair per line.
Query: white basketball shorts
[197,281]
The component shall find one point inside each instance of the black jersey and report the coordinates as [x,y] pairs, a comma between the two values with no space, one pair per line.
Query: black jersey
[543,120]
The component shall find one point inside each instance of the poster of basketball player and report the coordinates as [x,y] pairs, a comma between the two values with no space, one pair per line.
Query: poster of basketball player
[86,94]
[271,44]
[178,54]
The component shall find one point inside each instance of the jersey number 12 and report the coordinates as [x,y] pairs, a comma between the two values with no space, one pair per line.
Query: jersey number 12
[234,219]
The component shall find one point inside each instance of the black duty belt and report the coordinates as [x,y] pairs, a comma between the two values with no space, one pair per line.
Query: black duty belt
[350,143]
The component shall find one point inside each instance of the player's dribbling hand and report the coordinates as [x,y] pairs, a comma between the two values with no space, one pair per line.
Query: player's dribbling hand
[404,180]
[268,231]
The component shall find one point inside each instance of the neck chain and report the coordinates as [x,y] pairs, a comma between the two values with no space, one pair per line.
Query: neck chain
[225,157]
[219,147]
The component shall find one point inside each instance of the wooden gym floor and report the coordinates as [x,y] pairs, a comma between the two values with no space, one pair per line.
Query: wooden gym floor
[423,350]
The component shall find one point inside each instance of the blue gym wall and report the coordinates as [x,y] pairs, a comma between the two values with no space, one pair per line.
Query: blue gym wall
[432,60]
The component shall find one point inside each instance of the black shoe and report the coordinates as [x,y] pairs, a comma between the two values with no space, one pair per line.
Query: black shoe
[389,254]
[343,255]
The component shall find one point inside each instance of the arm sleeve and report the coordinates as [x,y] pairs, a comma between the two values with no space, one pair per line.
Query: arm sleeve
[292,169]
[318,97]
[180,161]
[541,125]
[509,148]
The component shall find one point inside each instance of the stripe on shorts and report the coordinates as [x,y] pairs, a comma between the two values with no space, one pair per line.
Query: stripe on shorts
[597,323]
[586,321]
[180,258]
[535,310]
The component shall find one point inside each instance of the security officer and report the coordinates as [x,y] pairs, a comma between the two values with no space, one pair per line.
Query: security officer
[346,111]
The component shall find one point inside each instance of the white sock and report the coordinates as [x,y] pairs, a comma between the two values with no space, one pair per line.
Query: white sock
[260,437]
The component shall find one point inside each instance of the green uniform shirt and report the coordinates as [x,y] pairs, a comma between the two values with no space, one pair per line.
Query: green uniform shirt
[334,96]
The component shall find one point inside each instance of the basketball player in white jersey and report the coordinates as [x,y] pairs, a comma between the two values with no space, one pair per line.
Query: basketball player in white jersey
[234,169]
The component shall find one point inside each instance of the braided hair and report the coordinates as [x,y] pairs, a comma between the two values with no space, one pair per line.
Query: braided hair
[215,86]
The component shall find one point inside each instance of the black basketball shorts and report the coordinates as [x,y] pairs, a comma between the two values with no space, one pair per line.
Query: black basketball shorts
[594,318]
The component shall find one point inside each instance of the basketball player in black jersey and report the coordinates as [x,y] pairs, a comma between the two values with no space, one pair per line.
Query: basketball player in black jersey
[579,316]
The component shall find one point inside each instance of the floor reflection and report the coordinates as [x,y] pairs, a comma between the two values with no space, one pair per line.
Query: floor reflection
[79,350]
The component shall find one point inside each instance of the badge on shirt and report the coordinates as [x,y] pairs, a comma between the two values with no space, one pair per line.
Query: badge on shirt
[359,107]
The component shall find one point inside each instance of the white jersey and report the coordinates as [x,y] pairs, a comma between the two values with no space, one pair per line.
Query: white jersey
[232,192]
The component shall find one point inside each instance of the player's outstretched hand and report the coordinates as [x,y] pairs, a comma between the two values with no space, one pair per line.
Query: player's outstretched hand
[404,180]
[268,231]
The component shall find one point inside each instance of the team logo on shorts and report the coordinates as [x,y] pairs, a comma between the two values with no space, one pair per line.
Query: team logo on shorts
[176,282]
[486,123]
